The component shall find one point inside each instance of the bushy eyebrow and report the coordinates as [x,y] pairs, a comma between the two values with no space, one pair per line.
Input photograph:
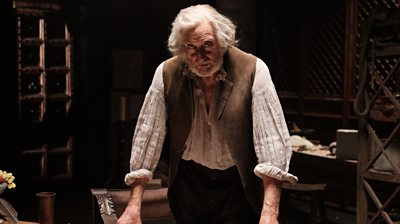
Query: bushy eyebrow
[207,40]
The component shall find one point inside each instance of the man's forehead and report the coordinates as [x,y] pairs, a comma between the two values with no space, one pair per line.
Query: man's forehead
[202,30]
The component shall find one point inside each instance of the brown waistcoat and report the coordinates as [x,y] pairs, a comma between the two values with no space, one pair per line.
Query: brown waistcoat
[233,113]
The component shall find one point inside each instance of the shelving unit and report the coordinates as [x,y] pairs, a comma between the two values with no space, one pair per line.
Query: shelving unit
[377,188]
[312,62]
[44,86]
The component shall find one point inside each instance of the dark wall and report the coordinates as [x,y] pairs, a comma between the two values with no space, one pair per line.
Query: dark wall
[104,26]
[8,91]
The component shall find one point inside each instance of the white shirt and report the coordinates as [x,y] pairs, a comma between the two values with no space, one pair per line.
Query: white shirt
[205,145]
[270,133]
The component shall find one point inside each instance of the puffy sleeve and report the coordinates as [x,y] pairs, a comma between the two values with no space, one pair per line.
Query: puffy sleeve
[150,132]
[270,132]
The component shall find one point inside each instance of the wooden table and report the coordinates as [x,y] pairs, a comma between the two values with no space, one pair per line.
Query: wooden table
[322,152]
[319,166]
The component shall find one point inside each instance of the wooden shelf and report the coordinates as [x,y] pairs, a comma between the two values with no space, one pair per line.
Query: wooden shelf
[32,70]
[288,96]
[287,112]
[32,41]
[58,69]
[389,177]
[387,51]
[324,98]
[378,115]
[32,98]
[58,42]
[316,114]
[59,97]
[44,49]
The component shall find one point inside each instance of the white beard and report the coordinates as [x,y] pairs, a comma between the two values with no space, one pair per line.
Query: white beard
[209,73]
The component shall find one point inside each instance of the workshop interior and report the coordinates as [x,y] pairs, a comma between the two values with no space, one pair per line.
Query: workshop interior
[76,72]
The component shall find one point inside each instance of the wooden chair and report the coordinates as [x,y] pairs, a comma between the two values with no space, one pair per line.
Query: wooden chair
[112,202]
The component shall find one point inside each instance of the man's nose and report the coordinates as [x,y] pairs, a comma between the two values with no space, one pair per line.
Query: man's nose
[201,53]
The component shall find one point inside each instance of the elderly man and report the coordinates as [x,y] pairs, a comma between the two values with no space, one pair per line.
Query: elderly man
[229,144]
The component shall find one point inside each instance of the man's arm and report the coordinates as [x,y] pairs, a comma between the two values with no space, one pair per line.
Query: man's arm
[272,194]
[147,145]
[131,214]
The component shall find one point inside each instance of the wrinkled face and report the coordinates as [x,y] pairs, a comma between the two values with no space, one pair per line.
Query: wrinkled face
[201,49]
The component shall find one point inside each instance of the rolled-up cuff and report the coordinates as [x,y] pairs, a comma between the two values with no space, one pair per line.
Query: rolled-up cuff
[141,173]
[274,172]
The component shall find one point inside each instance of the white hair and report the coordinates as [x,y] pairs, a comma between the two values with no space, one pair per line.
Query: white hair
[189,17]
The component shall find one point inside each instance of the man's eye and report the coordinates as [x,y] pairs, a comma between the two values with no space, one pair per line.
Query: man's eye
[190,46]
[208,44]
